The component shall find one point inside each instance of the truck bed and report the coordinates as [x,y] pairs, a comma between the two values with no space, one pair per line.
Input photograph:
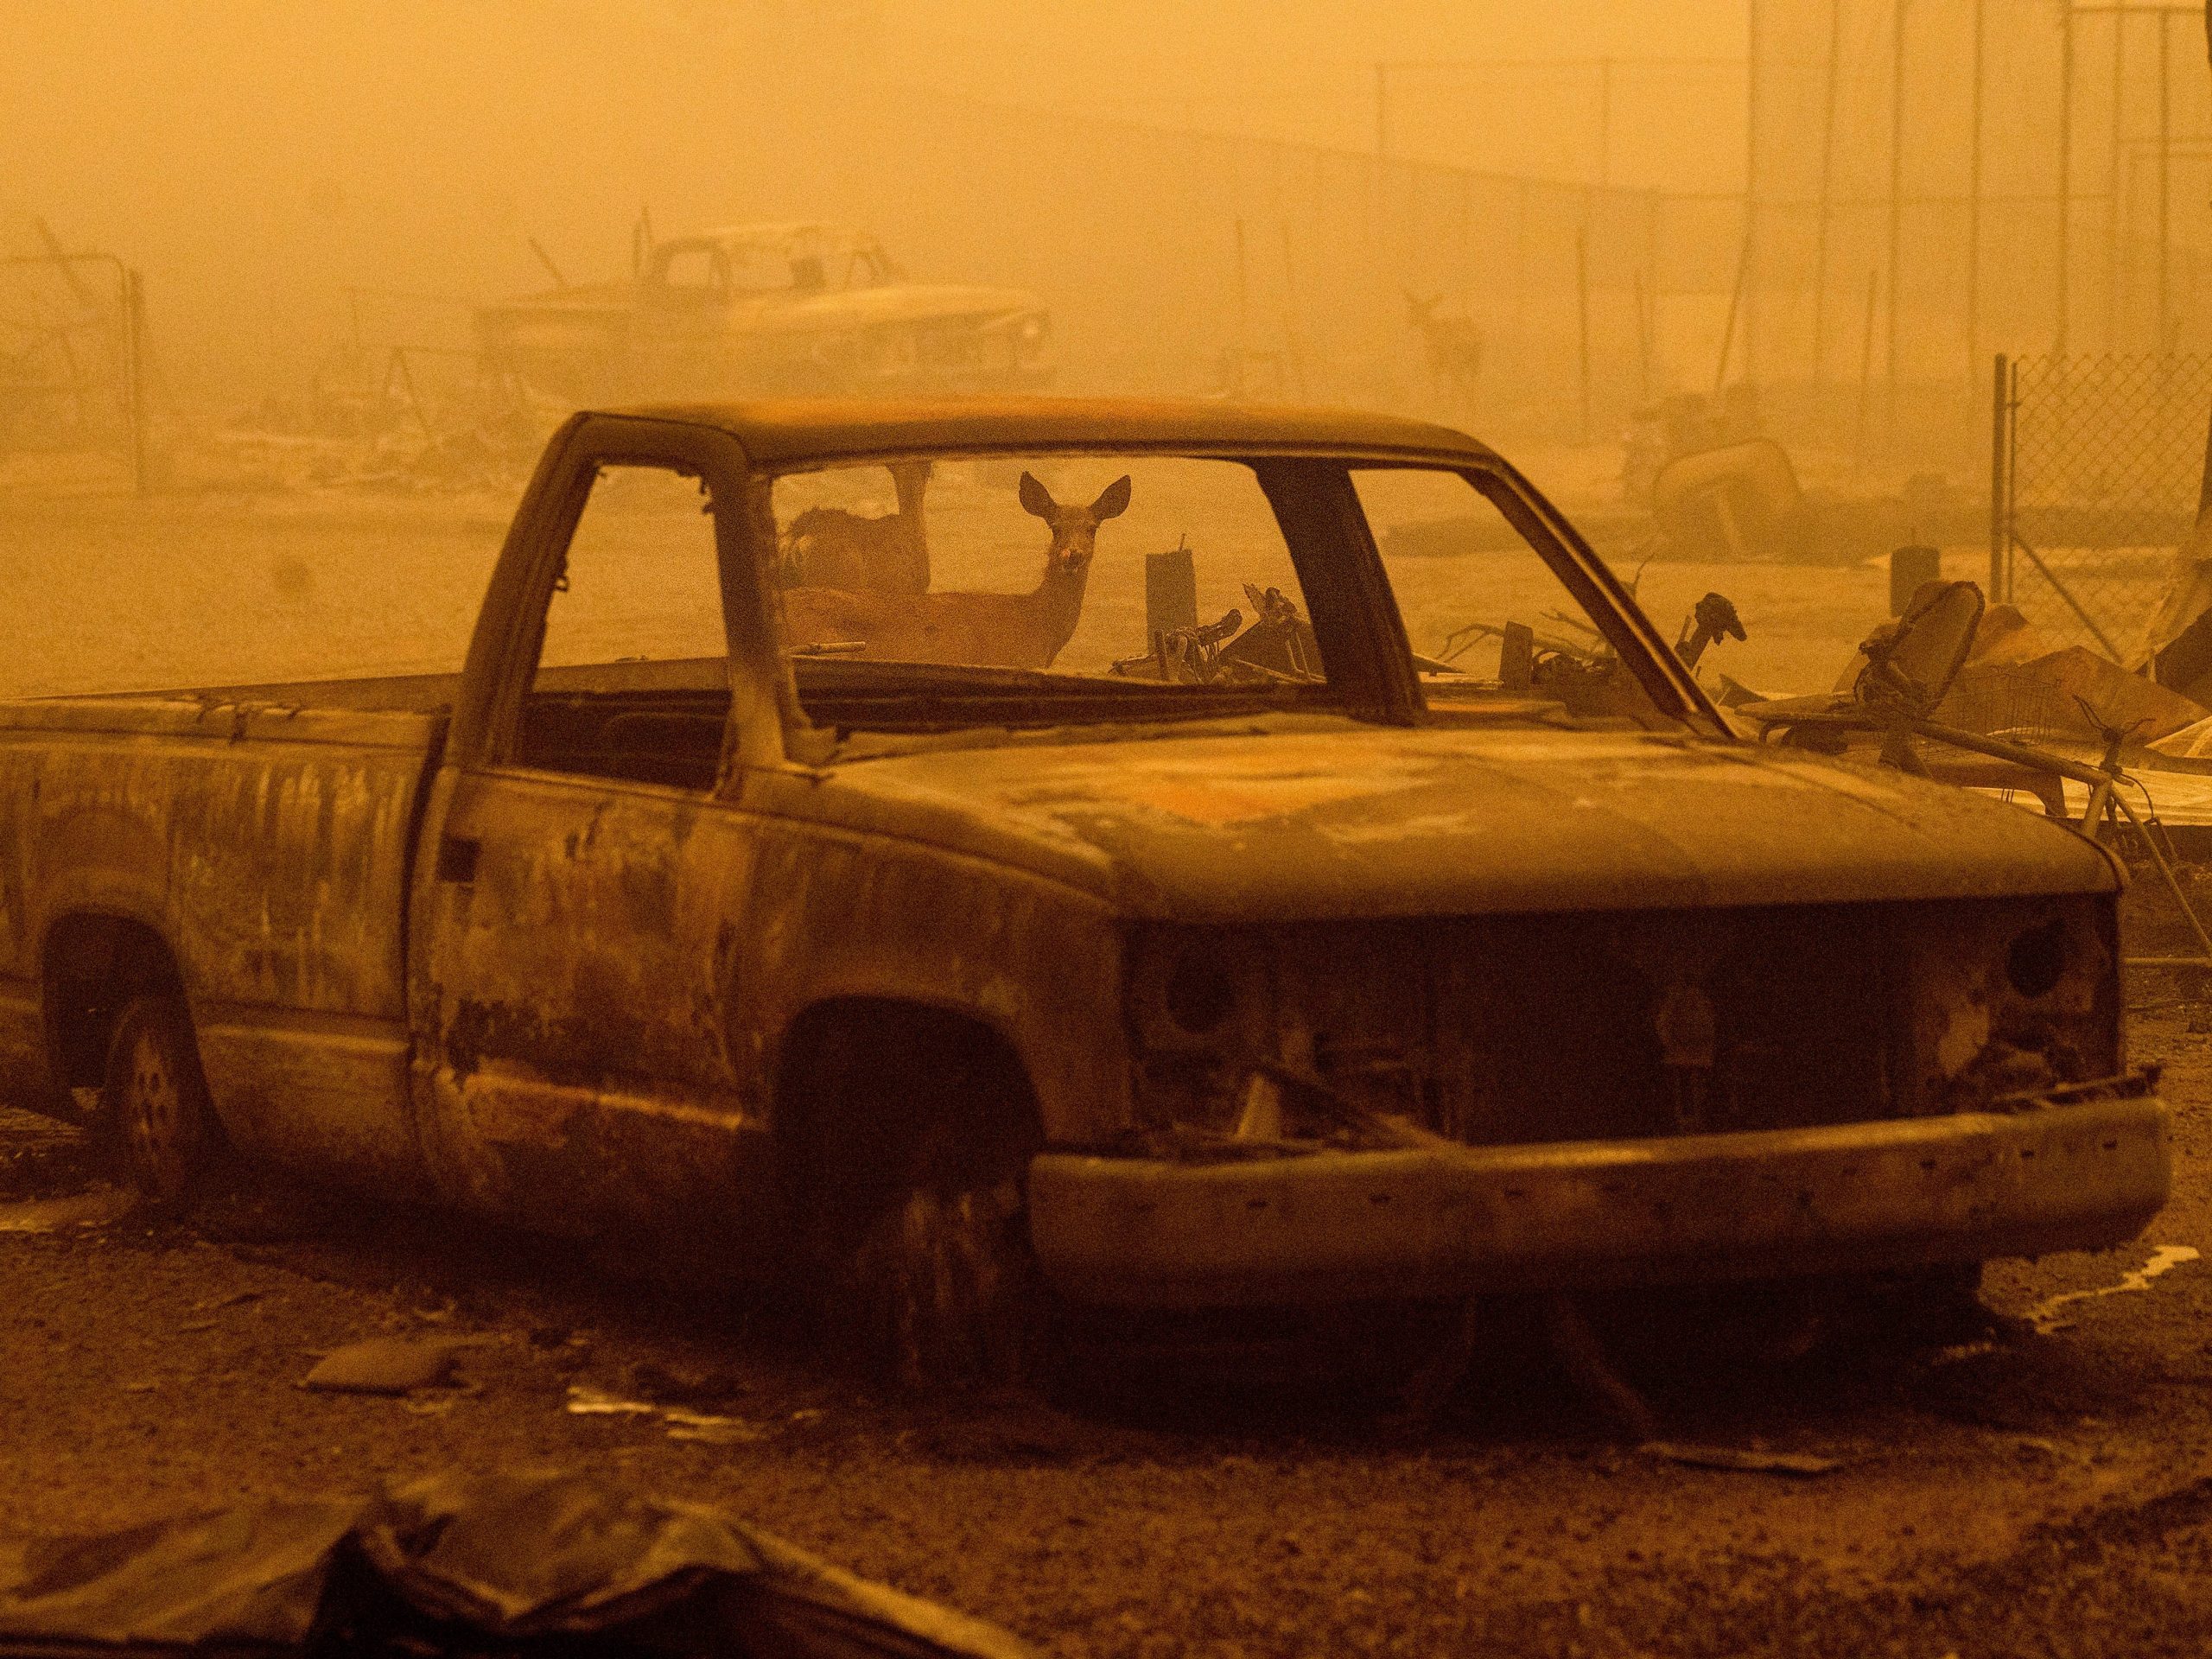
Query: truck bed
[430,693]
[265,848]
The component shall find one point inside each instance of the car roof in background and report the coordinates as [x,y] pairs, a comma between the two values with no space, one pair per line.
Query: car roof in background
[795,431]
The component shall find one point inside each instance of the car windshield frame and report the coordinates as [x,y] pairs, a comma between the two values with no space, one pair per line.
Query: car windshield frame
[1371,674]
[1616,619]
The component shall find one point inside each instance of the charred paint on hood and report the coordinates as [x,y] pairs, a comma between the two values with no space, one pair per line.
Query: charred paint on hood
[1288,818]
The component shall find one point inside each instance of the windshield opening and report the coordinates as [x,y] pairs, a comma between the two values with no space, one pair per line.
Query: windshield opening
[1046,588]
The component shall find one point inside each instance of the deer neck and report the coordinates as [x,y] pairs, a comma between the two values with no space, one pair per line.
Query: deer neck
[1058,598]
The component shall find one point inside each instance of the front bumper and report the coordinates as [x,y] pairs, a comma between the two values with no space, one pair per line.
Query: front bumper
[1442,1219]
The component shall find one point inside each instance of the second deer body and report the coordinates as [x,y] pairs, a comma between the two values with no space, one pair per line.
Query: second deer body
[827,547]
[982,630]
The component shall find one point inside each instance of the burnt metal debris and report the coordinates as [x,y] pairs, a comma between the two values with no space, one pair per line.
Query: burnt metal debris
[73,373]
[507,1564]
[1910,682]
[760,310]
[1345,976]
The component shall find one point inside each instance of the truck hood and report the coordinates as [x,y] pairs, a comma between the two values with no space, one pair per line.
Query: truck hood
[853,308]
[869,307]
[1331,820]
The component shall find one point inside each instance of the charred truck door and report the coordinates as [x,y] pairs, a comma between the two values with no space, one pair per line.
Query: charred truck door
[582,873]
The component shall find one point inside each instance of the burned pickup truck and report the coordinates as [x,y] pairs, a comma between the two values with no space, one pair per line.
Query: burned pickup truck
[1103,876]
[766,310]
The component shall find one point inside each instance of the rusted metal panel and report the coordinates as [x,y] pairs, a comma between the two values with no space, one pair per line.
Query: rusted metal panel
[220,715]
[1291,817]
[327,1094]
[837,914]
[601,1000]
[1442,1220]
[570,998]
[789,430]
[269,849]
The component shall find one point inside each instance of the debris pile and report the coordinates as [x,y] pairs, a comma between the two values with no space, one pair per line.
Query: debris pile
[483,1565]
[370,423]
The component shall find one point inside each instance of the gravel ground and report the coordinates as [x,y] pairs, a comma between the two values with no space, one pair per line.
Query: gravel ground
[2043,1494]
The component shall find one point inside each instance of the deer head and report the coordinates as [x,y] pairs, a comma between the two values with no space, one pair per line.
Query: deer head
[1075,529]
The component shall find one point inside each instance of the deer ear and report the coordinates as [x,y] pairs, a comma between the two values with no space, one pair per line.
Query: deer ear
[1035,498]
[1114,501]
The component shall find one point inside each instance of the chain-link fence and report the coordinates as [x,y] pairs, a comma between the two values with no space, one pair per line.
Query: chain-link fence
[1931,178]
[2099,464]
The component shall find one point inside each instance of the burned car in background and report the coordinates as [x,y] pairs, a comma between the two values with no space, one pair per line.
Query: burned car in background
[766,310]
[963,903]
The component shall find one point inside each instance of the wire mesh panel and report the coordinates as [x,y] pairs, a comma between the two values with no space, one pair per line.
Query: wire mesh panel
[2104,457]
[70,359]
[1930,174]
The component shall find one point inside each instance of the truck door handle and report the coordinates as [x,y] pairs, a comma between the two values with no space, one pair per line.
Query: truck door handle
[457,857]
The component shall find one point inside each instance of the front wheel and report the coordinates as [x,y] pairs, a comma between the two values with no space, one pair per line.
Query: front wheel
[946,1291]
[155,1101]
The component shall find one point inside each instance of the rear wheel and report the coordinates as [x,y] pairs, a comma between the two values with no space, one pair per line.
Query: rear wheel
[154,1102]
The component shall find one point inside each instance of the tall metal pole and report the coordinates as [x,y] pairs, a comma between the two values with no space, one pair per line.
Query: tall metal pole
[1897,203]
[1736,301]
[1642,338]
[2115,251]
[2166,179]
[1582,299]
[1974,191]
[1866,369]
[2065,176]
[1827,186]
[2000,538]
[1605,120]
[1243,360]
[134,327]
[1754,41]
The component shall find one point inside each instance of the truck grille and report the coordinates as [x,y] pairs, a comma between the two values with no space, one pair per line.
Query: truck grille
[1541,1029]
[1514,1029]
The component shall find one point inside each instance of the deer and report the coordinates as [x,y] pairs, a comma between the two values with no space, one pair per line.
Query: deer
[1455,346]
[976,630]
[827,547]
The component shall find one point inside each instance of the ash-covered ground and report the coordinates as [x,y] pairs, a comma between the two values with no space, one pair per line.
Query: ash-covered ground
[2049,1492]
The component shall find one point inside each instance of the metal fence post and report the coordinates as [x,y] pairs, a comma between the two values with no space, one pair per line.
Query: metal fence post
[1999,530]
[134,335]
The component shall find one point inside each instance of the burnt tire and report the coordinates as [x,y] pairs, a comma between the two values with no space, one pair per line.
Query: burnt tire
[943,1288]
[154,1103]
[906,1138]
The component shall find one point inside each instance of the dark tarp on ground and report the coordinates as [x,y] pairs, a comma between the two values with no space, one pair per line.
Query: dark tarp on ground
[541,1564]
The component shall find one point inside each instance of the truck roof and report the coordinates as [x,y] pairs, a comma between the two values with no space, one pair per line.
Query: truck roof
[790,431]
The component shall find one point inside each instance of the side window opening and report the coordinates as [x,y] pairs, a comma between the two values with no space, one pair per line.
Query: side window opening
[632,676]
[1492,627]
[695,272]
